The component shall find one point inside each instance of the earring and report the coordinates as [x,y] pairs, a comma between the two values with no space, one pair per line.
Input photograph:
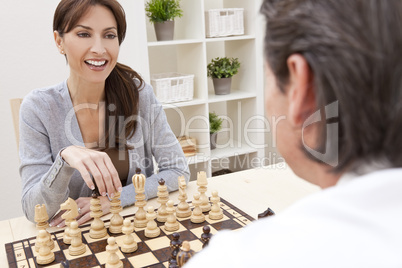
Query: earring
[62,52]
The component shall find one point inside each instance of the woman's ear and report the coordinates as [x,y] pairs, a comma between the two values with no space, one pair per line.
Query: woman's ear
[301,95]
[59,41]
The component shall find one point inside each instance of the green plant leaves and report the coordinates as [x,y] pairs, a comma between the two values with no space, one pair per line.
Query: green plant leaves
[215,123]
[223,67]
[163,10]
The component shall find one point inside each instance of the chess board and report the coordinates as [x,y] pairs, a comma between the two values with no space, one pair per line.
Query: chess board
[151,252]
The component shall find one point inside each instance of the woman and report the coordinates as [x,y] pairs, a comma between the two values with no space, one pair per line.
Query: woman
[97,127]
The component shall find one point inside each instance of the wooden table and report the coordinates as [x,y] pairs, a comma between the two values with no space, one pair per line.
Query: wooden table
[252,191]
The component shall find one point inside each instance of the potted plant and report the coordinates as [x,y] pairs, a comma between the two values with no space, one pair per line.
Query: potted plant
[215,124]
[162,14]
[221,70]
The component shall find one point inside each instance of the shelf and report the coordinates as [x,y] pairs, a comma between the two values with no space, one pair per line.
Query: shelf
[234,95]
[174,42]
[229,38]
[183,103]
[231,151]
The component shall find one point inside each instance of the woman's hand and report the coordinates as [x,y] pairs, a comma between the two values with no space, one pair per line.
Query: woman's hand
[88,162]
[84,215]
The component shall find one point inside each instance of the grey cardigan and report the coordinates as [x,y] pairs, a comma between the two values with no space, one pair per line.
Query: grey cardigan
[48,125]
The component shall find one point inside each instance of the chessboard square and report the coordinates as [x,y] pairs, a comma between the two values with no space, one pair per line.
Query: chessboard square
[196,245]
[142,248]
[103,256]
[229,224]
[85,261]
[141,236]
[210,221]
[198,231]
[191,225]
[91,240]
[166,264]
[187,236]
[181,229]
[143,260]
[70,257]
[158,243]
[163,254]
[120,239]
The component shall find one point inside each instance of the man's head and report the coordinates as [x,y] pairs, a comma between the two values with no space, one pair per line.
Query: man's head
[342,57]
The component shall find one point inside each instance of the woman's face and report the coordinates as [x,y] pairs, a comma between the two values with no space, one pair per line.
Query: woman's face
[92,46]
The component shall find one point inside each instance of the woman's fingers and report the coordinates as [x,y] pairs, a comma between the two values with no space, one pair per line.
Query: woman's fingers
[98,164]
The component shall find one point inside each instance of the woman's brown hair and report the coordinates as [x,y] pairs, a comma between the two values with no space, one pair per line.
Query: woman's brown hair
[122,85]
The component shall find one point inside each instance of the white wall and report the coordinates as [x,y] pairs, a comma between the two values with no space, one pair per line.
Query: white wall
[28,60]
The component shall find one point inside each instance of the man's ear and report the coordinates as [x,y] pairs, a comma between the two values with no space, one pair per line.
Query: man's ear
[59,41]
[301,95]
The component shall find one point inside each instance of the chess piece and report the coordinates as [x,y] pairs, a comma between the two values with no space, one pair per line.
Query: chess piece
[163,198]
[183,208]
[197,216]
[41,218]
[69,216]
[45,255]
[175,245]
[116,221]
[202,188]
[216,212]
[98,229]
[184,254]
[113,260]
[129,244]
[266,213]
[152,229]
[140,219]
[206,235]
[77,247]
[171,224]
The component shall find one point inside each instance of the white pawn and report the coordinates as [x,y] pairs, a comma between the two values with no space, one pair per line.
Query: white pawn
[45,254]
[129,244]
[183,209]
[216,212]
[98,229]
[152,229]
[171,224]
[113,260]
[163,198]
[76,247]
[197,216]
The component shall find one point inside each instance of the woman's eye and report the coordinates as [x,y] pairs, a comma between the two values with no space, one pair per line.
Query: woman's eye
[83,34]
[111,36]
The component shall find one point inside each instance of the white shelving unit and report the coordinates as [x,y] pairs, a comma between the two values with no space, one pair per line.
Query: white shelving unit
[242,137]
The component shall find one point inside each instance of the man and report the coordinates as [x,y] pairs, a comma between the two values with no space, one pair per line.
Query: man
[334,69]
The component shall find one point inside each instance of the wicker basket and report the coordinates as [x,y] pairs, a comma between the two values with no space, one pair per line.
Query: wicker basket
[173,87]
[224,22]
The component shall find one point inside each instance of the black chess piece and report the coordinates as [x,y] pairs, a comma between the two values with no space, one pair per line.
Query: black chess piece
[175,245]
[266,213]
[206,235]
